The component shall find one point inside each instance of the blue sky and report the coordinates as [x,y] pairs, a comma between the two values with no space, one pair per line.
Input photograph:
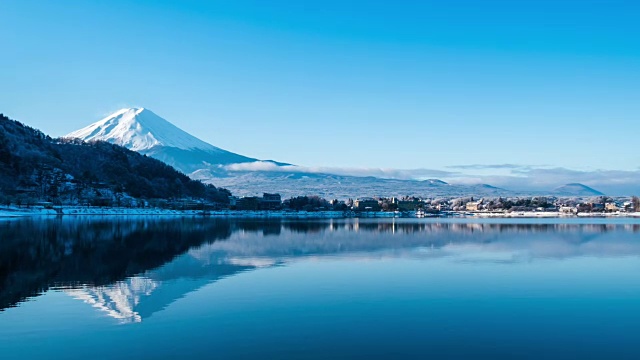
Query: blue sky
[402,84]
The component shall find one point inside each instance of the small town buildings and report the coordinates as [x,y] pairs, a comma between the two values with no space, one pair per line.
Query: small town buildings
[611,207]
[247,203]
[366,204]
[266,202]
[411,205]
[270,201]
[474,206]
[443,207]
[233,201]
[568,210]
[581,208]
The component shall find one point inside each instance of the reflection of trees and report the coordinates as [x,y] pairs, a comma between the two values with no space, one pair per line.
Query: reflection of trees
[38,254]
[266,226]
[302,226]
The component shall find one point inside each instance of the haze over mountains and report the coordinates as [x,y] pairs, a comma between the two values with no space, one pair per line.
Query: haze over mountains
[141,130]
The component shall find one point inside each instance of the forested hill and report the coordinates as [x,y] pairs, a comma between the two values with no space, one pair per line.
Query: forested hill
[35,167]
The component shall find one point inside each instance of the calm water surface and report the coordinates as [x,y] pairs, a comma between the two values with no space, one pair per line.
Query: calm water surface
[132,288]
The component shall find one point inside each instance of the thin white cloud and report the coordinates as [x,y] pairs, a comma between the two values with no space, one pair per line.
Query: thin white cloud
[611,182]
[507,176]
[385,173]
[485,166]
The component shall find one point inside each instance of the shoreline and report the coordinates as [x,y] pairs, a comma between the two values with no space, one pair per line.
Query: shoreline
[15,212]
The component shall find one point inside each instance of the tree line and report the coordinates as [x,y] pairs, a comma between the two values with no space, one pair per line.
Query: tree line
[36,167]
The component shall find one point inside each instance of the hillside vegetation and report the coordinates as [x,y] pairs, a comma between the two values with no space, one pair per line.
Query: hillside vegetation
[35,167]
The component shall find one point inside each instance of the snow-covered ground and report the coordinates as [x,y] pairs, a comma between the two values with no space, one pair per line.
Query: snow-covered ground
[548,214]
[71,210]
[8,212]
[19,212]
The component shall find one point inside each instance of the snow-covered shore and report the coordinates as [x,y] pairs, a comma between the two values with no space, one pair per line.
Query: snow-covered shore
[13,212]
[551,214]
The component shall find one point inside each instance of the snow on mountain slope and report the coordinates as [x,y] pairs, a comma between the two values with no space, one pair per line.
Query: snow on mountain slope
[140,129]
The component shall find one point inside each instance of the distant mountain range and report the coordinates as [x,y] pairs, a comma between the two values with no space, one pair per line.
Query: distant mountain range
[576,189]
[141,130]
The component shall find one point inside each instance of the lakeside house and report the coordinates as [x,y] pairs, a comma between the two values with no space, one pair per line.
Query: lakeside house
[270,201]
[247,203]
[233,201]
[408,205]
[366,204]
[612,207]
[266,202]
[474,205]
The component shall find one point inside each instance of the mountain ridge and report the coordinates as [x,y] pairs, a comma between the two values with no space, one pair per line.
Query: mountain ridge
[142,130]
[576,189]
[36,166]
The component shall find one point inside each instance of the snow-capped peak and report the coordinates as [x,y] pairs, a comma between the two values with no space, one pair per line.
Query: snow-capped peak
[140,129]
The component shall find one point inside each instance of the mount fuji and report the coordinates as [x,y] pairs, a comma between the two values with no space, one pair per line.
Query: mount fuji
[141,130]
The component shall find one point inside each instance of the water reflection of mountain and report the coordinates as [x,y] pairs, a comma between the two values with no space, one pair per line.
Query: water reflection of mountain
[132,268]
[38,254]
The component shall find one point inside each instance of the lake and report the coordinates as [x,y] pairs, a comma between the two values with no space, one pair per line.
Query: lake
[144,287]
